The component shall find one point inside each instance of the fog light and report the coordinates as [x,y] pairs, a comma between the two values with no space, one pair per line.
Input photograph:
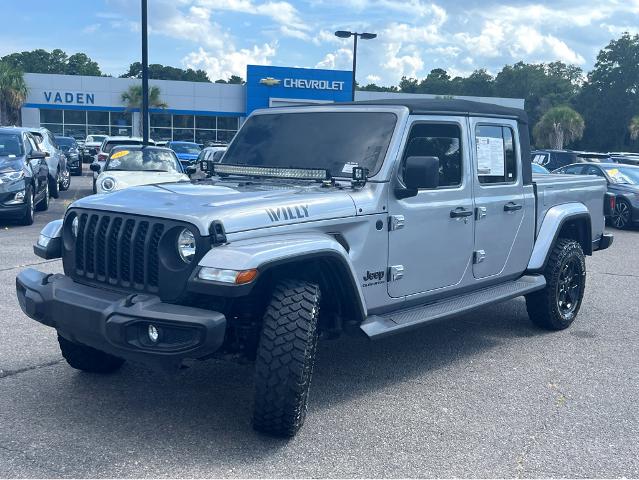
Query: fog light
[154,334]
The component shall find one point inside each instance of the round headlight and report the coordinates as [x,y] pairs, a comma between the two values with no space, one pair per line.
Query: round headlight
[75,226]
[108,184]
[186,245]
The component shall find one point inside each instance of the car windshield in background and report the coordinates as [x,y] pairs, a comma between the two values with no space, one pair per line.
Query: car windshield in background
[595,158]
[96,138]
[186,148]
[623,175]
[143,160]
[10,145]
[335,141]
[110,145]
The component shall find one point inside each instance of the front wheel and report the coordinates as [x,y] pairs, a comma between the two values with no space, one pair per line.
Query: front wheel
[65,180]
[29,206]
[622,214]
[88,359]
[556,306]
[285,358]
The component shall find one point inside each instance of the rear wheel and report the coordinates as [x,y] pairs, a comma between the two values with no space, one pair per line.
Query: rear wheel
[88,359]
[621,214]
[285,358]
[556,306]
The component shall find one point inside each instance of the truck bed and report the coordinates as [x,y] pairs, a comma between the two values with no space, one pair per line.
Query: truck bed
[556,189]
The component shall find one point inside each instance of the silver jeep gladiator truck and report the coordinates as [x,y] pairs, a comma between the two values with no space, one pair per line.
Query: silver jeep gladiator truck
[365,217]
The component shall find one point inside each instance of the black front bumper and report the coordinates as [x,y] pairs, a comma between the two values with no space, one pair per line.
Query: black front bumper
[117,323]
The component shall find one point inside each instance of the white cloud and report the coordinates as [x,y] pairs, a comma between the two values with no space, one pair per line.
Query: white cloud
[341,59]
[279,11]
[224,63]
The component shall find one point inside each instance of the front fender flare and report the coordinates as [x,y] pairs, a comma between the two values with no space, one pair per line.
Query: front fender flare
[551,225]
[264,253]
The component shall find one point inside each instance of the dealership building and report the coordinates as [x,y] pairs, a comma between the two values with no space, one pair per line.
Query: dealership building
[195,111]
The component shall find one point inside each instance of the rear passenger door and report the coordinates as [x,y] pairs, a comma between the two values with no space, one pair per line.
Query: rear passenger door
[503,234]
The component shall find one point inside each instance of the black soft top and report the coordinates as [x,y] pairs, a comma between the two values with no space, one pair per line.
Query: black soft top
[423,106]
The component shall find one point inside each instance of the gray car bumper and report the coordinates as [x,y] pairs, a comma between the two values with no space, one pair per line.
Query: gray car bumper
[117,323]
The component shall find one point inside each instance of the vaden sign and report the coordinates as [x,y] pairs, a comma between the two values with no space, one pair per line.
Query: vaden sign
[77,98]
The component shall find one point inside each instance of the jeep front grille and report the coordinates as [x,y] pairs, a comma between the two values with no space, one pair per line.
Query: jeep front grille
[119,250]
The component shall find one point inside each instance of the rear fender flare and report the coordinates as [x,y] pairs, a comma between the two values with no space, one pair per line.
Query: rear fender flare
[551,227]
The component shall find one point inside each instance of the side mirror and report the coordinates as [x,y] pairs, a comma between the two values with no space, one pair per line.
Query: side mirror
[190,170]
[419,173]
[36,155]
[95,167]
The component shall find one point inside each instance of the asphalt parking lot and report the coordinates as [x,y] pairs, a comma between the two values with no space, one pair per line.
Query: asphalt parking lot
[483,395]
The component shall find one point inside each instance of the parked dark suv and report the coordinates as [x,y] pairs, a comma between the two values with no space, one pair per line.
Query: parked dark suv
[24,185]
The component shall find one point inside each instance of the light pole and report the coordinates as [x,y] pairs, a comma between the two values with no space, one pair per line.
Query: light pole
[355,35]
[145,77]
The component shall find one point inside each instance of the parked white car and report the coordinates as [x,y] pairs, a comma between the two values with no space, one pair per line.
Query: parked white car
[105,148]
[132,165]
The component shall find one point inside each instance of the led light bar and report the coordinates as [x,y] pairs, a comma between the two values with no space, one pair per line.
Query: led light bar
[275,172]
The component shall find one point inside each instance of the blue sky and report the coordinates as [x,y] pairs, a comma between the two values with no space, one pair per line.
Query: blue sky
[415,36]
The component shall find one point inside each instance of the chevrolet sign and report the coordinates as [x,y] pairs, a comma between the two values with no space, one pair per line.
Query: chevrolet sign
[270,81]
[304,83]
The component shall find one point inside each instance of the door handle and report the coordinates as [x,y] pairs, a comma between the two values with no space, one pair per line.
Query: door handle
[512,207]
[460,212]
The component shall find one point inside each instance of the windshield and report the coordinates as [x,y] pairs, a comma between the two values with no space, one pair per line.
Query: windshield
[186,148]
[96,138]
[143,160]
[10,145]
[623,175]
[335,141]
[109,145]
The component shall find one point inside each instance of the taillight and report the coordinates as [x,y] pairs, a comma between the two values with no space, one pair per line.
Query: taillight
[102,157]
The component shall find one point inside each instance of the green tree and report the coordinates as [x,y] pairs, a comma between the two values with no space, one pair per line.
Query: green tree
[478,84]
[13,93]
[437,82]
[56,61]
[81,64]
[558,127]
[132,98]
[609,98]
[165,72]
[408,85]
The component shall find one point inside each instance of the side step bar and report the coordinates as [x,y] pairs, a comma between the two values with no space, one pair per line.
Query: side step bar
[378,326]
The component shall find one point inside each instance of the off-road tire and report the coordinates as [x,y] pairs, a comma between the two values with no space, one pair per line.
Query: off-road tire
[54,187]
[43,205]
[545,306]
[285,358]
[88,359]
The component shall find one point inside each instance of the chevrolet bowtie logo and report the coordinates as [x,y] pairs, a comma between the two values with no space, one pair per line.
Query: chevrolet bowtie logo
[270,81]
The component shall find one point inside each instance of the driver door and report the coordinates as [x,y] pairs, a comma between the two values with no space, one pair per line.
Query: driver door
[431,234]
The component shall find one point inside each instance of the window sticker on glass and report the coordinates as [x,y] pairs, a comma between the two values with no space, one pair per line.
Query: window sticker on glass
[490,156]
[119,154]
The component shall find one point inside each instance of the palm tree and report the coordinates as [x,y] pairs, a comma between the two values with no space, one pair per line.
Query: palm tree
[13,93]
[133,99]
[633,127]
[558,127]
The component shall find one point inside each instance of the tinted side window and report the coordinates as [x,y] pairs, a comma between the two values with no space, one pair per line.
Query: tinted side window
[496,157]
[590,170]
[437,140]
[573,170]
